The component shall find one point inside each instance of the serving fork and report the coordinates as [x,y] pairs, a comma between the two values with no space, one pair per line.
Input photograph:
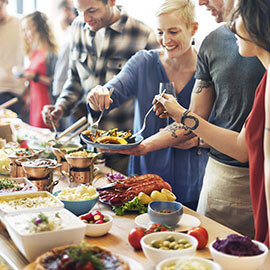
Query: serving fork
[94,126]
[144,120]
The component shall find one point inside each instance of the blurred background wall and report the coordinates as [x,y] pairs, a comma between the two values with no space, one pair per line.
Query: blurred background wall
[141,9]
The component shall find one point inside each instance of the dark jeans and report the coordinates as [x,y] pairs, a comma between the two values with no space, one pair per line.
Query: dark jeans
[192,205]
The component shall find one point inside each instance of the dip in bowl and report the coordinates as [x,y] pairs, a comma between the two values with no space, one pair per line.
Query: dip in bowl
[165,212]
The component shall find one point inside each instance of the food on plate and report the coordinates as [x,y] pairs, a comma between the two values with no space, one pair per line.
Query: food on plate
[170,243]
[10,185]
[27,201]
[157,227]
[200,234]
[82,154]
[115,176]
[111,140]
[80,193]
[144,199]
[113,136]
[169,194]
[186,264]
[158,196]
[95,217]
[29,223]
[23,152]
[80,258]
[127,189]
[133,205]
[237,245]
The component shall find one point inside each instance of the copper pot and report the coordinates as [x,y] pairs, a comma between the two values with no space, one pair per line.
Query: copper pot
[82,162]
[32,169]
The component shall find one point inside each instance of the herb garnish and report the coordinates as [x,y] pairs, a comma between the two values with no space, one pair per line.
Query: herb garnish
[132,205]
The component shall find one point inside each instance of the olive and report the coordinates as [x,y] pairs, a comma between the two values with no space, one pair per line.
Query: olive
[166,243]
[170,238]
[156,243]
[182,241]
[172,245]
[187,245]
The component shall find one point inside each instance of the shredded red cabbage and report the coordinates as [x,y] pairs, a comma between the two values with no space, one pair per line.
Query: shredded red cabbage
[115,176]
[237,245]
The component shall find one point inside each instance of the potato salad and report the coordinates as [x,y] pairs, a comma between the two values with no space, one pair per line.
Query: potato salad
[80,193]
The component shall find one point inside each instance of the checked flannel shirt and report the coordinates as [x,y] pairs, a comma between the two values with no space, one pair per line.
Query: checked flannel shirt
[86,70]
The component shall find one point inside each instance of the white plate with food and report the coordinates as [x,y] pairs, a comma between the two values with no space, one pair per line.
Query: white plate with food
[185,223]
[110,146]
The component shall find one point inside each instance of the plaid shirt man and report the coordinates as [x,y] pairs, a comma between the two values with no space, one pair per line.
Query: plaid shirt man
[122,39]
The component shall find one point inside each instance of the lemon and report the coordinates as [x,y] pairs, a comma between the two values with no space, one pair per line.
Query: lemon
[170,196]
[158,196]
[143,198]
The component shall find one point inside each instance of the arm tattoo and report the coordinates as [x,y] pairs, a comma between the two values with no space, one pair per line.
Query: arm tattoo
[200,85]
[173,128]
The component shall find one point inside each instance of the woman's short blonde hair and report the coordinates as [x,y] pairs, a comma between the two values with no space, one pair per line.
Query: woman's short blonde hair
[185,9]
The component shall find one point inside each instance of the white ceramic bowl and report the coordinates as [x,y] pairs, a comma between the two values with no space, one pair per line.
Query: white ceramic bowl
[157,255]
[96,230]
[231,262]
[209,264]
[33,245]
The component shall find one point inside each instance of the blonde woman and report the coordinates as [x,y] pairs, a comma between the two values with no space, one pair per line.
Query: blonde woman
[251,25]
[175,61]
[41,49]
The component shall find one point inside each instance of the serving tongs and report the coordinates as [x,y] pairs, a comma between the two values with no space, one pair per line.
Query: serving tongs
[8,103]
[70,129]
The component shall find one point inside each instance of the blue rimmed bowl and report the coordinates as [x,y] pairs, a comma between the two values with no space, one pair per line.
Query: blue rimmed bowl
[165,212]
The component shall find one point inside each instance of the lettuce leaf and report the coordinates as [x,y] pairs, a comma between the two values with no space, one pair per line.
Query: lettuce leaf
[133,205]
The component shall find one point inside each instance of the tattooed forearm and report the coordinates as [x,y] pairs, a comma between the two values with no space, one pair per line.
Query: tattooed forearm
[173,128]
[199,85]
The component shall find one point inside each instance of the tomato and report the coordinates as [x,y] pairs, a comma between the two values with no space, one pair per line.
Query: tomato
[88,216]
[156,227]
[200,234]
[23,144]
[135,236]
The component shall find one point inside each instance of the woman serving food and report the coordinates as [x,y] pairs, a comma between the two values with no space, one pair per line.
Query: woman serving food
[175,62]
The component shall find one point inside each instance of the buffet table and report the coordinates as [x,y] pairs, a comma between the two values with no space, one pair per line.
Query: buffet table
[117,238]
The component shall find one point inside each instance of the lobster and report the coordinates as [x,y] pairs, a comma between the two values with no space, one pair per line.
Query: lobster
[125,190]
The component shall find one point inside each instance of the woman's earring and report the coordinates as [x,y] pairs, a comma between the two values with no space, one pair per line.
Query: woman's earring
[193,41]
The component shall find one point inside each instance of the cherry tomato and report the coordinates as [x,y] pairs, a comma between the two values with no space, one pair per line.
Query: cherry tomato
[23,144]
[200,234]
[135,236]
[88,216]
[156,227]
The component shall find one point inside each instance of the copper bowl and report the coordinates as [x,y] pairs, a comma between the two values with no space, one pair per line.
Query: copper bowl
[82,162]
[39,168]
[60,150]
[14,158]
